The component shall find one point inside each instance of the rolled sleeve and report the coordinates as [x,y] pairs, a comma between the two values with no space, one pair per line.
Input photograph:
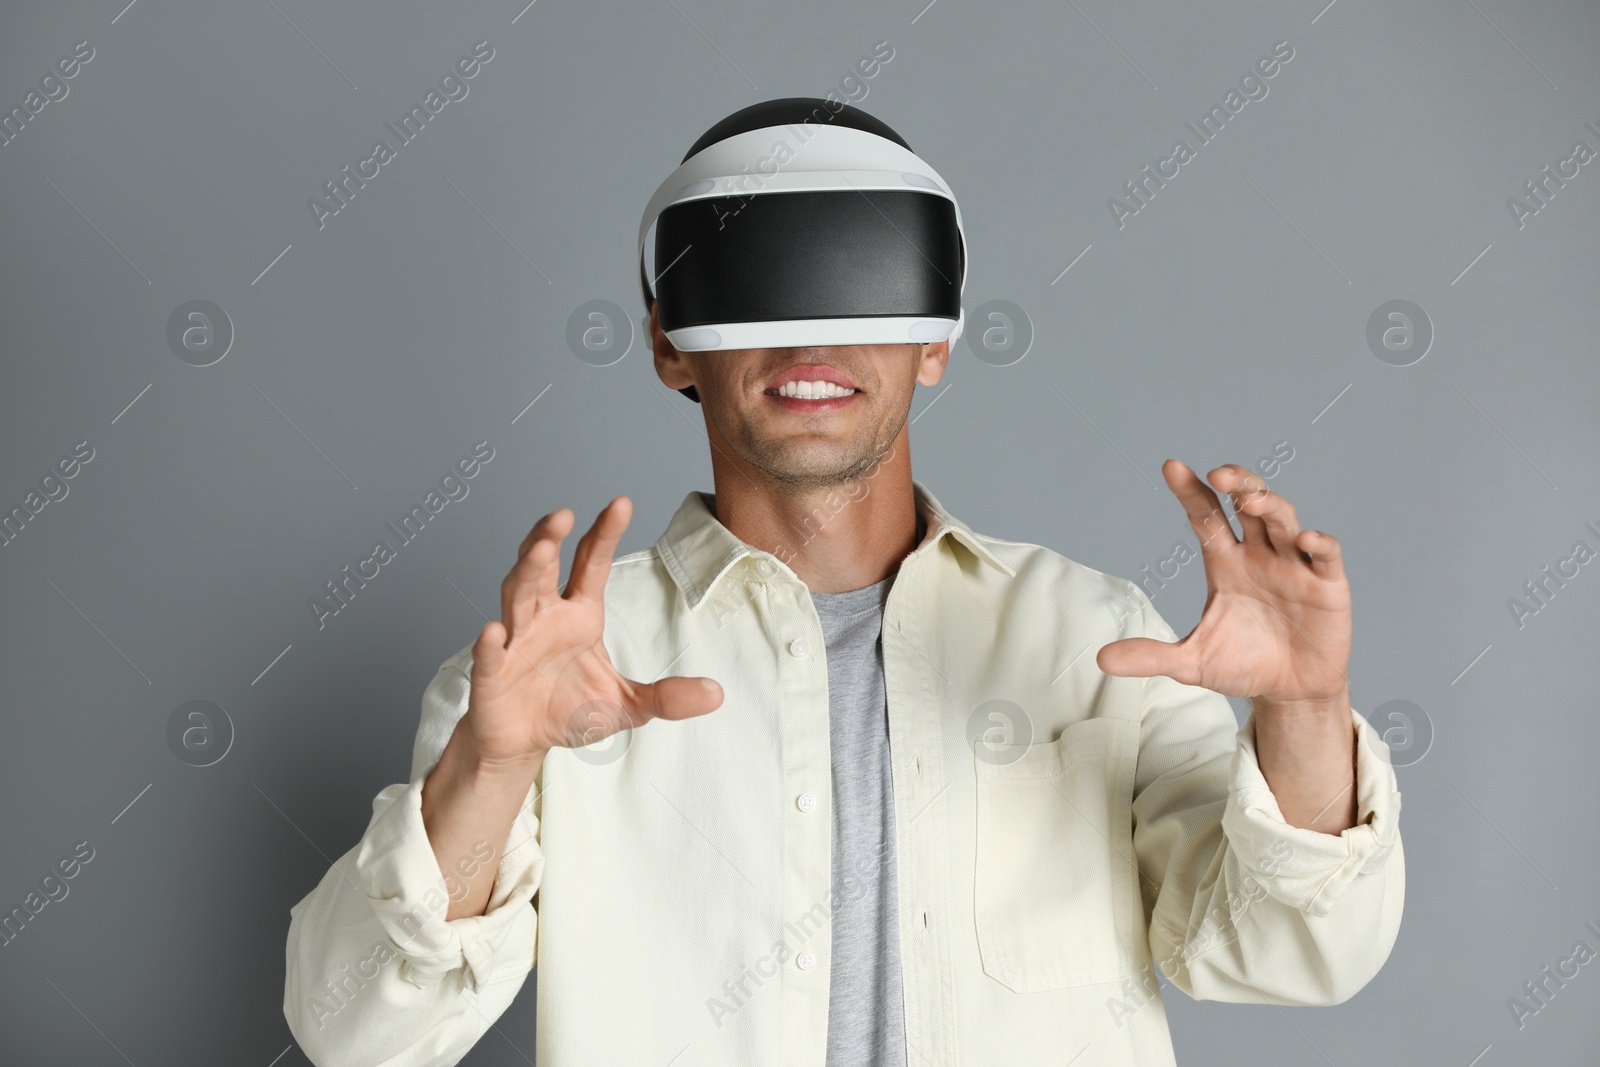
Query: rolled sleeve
[1241,906]
[375,973]
[396,867]
[1307,869]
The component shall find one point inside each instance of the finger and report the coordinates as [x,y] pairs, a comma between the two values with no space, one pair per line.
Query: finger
[591,563]
[519,590]
[1200,504]
[535,573]
[1243,487]
[677,698]
[1278,516]
[539,529]
[1327,560]
[1145,657]
[489,653]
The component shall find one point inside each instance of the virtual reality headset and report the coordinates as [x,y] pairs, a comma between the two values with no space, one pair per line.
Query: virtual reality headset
[792,224]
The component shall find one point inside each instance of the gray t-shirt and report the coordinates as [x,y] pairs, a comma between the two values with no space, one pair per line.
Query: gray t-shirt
[866,1009]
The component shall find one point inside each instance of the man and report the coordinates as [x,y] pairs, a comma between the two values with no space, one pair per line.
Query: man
[896,812]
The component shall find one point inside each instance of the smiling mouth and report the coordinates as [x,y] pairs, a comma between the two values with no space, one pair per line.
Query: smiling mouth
[812,391]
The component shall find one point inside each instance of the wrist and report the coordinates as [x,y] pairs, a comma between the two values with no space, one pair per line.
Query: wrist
[1336,704]
[462,763]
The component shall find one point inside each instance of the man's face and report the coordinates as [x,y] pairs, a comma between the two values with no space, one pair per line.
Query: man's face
[817,438]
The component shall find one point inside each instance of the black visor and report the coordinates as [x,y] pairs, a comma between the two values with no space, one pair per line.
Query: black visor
[808,254]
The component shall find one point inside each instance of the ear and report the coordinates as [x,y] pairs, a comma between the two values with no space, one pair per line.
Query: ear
[931,363]
[672,367]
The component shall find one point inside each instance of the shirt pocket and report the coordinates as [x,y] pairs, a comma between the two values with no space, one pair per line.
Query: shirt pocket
[1055,879]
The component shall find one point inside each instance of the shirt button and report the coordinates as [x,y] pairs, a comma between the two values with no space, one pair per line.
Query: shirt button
[797,647]
[765,567]
[805,802]
[805,961]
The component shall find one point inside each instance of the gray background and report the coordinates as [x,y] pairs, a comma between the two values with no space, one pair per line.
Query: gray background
[1227,316]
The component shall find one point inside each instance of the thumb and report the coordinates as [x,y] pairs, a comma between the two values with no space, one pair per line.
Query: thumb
[1140,657]
[678,698]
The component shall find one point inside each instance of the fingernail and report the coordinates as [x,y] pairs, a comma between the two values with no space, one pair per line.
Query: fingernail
[709,684]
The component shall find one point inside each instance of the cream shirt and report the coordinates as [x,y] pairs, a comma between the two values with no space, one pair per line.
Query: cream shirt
[672,882]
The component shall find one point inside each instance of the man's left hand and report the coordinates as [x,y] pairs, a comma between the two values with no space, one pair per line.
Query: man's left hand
[1276,624]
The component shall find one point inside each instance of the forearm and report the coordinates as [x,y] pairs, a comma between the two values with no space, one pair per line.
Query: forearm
[1307,755]
[468,808]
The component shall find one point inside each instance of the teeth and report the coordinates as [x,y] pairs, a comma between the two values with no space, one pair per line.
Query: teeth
[813,390]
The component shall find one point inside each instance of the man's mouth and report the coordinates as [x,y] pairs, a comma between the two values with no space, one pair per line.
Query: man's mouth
[804,390]
[813,397]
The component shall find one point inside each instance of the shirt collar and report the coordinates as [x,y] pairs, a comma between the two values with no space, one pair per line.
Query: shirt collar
[698,550]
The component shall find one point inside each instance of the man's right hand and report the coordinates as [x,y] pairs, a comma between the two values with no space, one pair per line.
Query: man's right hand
[542,678]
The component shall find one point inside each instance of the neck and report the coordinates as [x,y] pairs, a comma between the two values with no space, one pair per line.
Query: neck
[835,537]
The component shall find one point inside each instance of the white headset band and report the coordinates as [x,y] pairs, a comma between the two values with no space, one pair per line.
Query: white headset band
[828,157]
